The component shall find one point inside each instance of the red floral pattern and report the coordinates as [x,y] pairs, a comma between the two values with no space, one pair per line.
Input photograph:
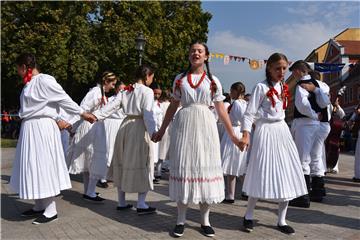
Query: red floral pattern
[129,88]
[188,179]
[28,76]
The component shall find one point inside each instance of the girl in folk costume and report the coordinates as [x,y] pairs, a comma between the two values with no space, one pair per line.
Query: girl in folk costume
[233,160]
[112,125]
[88,150]
[195,160]
[274,170]
[39,170]
[158,113]
[310,128]
[355,122]
[132,166]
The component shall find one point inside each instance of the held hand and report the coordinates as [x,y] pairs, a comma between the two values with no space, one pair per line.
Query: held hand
[63,124]
[157,136]
[310,87]
[89,117]
[244,143]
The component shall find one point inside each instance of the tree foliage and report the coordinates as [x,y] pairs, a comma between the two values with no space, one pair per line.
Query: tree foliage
[76,41]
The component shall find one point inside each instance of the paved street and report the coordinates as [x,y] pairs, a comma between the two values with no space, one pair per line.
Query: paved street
[338,217]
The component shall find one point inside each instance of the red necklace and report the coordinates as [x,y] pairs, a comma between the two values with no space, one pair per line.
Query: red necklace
[198,84]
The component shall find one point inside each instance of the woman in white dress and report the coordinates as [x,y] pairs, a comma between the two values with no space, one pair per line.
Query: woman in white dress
[234,160]
[132,160]
[274,171]
[195,162]
[112,126]
[39,170]
[88,149]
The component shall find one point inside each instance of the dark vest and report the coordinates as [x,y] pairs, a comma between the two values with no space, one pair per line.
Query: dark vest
[313,103]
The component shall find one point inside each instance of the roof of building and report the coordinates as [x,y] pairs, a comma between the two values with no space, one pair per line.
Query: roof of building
[350,47]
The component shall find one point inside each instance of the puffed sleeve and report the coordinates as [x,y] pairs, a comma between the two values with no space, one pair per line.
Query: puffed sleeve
[53,92]
[176,93]
[218,96]
[109,108]
[252,108]
[149,116]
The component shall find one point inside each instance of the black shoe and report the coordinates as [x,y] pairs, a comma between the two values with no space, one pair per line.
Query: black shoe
[32,213]
[43,219]
[96,199]
[156,181]
[143,211]
[286,229]
[97,194]
[102,184]
[158,177]
[228,201]
[129,206]
[179,230]
[208,231]
[248,225]
[244,196]
[302,202]
[356,179]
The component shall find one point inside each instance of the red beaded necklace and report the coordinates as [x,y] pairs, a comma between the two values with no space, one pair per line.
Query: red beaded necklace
[200,81]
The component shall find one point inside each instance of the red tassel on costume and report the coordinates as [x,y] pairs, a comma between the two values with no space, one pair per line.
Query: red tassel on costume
[285,96]
[28,76]
[213,88]
[178,86]
[270,94]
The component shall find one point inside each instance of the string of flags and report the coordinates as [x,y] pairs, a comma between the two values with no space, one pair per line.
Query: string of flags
[256,64]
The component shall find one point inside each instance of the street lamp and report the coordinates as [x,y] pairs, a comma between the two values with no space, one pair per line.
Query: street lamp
[140,45]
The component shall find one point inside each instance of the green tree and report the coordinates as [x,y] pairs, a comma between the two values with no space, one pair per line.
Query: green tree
[76,41]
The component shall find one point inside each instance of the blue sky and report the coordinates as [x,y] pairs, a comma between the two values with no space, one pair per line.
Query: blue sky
[258,29]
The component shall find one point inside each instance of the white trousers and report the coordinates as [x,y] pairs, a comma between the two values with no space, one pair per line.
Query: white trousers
[304,132]
[317,166]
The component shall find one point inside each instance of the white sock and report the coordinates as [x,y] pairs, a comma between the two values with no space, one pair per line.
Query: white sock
[121,197]
[86,181]
[181,217]
[250,208]
[158,168]
[204,214]
[91,187]
[283,206]
[231,184]
[50,209]
[141,200]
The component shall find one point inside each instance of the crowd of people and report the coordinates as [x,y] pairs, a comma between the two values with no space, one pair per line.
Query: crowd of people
[198,132]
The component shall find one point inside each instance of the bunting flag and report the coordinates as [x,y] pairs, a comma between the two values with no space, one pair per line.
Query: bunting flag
[256,64]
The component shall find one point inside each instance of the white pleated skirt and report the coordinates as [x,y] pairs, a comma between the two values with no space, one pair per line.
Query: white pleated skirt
[274,171]
[87,152]
[194,154]
[112,126]
[39,169]
[164,144]
[233,160]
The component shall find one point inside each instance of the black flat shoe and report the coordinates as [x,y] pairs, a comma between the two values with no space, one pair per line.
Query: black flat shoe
[144,211]
[248,225]
[228,201]
[178,230]
[129,206]
[96,199]
[156,181]
[42,219]
[102,184]
[208,231]
[32,213]
[286,229]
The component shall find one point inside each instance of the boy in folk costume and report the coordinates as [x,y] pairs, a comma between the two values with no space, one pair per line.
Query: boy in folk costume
[88,148]
[195,161]
[274,172]
[234,160]
[310,129]
[39,170]
[132,162]
[112,125]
